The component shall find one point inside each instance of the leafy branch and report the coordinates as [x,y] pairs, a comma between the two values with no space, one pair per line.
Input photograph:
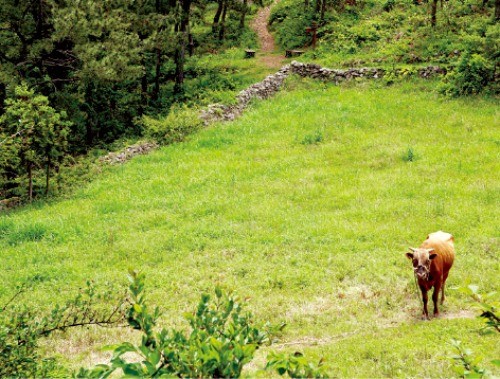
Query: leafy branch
[21,328]
[221,341]
[466,365]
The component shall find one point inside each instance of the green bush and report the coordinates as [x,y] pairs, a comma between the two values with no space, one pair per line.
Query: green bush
[175,127]
[472,75]
[21,328]
[289,19]
[295,366]
[466,365]
[222,339]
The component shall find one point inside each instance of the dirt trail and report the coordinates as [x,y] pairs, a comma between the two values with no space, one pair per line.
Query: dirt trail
[267,54]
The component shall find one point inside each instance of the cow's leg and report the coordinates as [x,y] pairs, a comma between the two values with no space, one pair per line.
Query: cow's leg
[445,276]
[435,297]
[425,299]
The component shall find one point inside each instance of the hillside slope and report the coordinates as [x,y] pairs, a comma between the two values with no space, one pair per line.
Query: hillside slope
[305,206]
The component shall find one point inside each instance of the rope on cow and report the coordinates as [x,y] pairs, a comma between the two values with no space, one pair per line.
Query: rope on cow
[417,288]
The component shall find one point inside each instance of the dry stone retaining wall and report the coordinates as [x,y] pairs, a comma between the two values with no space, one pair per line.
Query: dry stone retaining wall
[272,84]
[128,153]
[265,89]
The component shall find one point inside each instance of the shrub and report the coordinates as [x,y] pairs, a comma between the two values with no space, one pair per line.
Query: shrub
[222,339]
[289,19]
[471,76]
[179,123]
[21,328]
[466,365]
[295,366]
[489,307]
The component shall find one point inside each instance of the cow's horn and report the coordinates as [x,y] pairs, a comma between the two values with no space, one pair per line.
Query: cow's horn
[413,249]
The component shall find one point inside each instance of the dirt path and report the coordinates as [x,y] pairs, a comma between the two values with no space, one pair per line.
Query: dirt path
[267,54]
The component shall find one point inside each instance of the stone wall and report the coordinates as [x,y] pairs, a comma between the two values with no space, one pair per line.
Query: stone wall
[261,90]
[128,153]
[272,84]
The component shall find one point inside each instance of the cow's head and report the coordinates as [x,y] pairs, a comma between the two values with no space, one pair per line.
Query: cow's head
[421,259]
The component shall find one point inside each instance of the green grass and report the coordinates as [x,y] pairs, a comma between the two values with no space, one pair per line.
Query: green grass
[311,230]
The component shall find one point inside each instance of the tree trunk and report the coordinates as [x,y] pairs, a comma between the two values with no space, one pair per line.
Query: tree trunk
[215,25]
[47,176]
[433,12]
[144,87]
[497,10]
[222,30]
[30,182]
[190,44]
[243,14]
[306,4]
[323,10]
[3,96]
[317,8]
[156,90]
[38,14]
[179,58]
[180,52]
[89,135]
[144,78]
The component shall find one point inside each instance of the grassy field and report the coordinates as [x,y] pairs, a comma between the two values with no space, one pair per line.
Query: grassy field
[305,206]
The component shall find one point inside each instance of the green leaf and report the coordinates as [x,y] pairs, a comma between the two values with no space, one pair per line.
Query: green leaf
[125,347]
[137,308]
[131,370]
[154,357]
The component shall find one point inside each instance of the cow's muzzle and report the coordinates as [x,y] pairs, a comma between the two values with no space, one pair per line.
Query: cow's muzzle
[422,272]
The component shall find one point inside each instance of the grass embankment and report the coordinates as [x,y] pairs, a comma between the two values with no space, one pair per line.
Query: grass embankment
[306,205]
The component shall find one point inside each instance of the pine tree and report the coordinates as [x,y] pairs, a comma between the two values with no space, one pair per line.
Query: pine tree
[36,135]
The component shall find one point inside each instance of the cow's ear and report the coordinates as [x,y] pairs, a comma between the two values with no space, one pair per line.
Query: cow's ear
[409,255]
[432,254]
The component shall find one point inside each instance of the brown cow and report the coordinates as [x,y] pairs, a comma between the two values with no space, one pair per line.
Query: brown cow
[431,263]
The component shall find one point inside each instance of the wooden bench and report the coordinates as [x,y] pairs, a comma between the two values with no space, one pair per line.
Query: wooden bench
[293,53]
[249,53]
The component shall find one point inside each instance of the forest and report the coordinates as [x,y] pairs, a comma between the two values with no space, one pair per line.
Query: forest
[79,76]
[231,188]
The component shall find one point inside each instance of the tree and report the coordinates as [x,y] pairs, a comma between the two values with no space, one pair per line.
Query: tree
[433,12]
[36,133]
[182,30]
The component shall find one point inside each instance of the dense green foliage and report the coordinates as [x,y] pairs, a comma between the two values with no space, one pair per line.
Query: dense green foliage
[370,32]
[467,365]
[104,64]
[22,328]
[221,341]
[472,75]
[314,234]
[175,127]
[33,136]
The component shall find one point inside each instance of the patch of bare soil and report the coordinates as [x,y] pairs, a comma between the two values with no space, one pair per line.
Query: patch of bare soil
[259,25]
[267,54]
[463,313]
